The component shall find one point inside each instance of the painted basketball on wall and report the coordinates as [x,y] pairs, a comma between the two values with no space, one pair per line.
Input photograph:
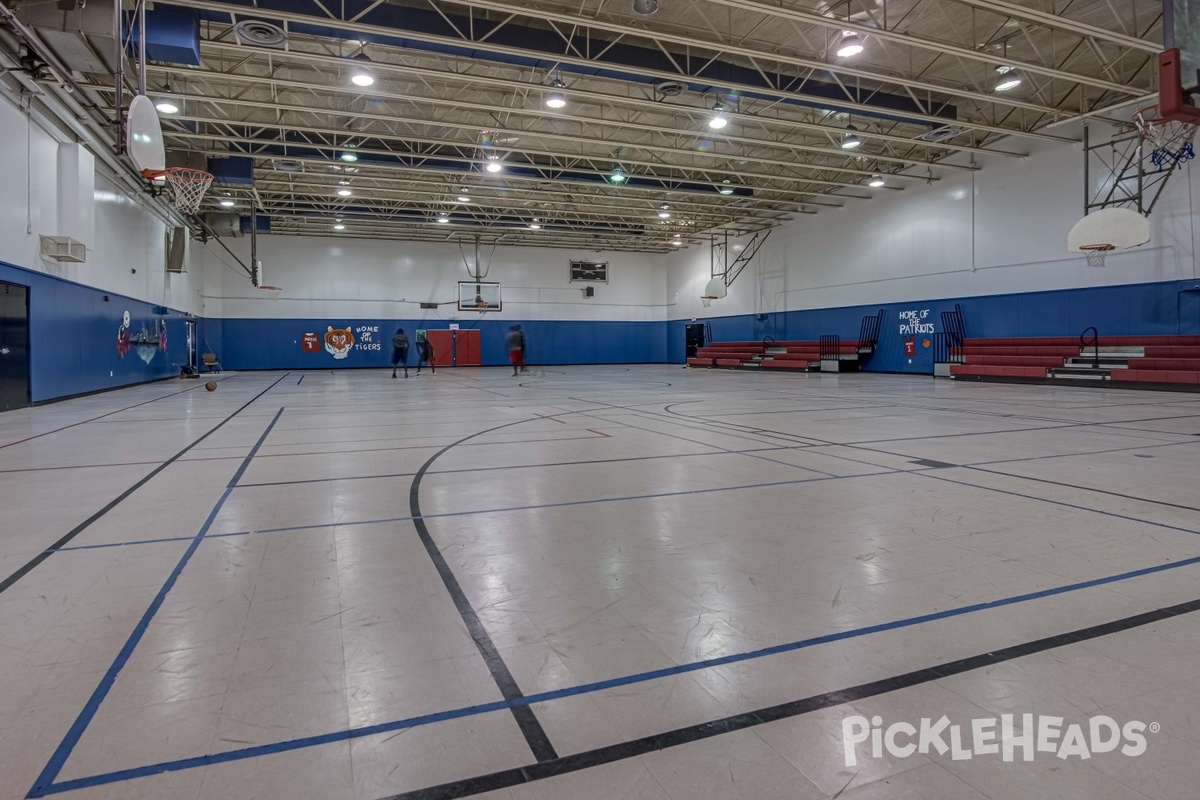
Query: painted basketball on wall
[338,341]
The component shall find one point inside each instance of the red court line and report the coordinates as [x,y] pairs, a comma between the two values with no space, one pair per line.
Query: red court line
[102,416]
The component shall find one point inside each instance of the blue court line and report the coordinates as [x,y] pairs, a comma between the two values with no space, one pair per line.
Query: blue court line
[41,790]
[443,514]
[59,758]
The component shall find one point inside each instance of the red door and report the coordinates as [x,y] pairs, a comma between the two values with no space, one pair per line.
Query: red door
[441,346]
[467,346]
[455,348]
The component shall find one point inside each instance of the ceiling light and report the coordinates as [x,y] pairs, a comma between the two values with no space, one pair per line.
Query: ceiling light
[850,141]
[677,243]
[726,187]
[876,181]
[618,175]
[345,192]
[462,198]
[443,218]
[851,45]
[348,155]
[534,224]
[227,202]
[645,7]
[494,164]
[718,120]
[1009,79]
[339,227]
[166,105]
[555,99]
[664,211]
[360,76]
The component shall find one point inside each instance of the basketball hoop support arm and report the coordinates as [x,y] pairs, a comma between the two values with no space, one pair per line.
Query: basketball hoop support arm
[255,276]
[730,270]
[213,234]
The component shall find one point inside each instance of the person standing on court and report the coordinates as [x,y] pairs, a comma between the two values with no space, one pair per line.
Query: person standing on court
[400,351]
[425,354]
[524,348]
[515,342]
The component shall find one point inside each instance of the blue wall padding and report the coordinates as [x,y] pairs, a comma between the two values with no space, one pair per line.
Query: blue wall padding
[277,343]
[73,331]
[1166,308]
[73,337]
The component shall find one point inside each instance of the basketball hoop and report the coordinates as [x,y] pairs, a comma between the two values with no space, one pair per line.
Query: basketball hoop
[1095,253]
[187,185]
[1170,140]
[272,291]
[707,301]
[1105,230]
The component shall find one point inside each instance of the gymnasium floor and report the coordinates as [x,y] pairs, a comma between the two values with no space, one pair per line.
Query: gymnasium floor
[337,585]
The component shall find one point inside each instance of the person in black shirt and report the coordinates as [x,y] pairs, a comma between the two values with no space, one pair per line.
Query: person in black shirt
[400,352]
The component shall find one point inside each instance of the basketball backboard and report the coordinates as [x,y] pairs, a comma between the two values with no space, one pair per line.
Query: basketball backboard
[1179,63]
[477,296]
[143,136]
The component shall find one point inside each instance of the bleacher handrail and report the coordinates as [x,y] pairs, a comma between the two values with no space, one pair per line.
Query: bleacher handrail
[830,347]
[1095,343]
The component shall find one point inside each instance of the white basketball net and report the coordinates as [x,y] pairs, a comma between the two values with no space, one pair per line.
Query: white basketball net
[1170,141]
[1095,255]
[706,301]
[188,186]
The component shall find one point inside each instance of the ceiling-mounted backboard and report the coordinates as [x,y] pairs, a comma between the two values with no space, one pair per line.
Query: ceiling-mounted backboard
[143,136]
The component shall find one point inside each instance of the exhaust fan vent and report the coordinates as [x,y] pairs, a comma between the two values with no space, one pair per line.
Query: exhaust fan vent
[259,33]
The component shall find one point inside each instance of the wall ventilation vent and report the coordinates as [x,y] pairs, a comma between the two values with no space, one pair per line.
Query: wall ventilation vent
[62,248]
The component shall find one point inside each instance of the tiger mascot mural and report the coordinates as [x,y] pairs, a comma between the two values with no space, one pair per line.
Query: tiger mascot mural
[339,341]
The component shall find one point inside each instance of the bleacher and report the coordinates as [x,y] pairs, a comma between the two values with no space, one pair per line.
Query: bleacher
[794,355]
[829,353]
[1166,361]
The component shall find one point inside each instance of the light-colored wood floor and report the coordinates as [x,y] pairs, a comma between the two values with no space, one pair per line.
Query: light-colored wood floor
[339,585]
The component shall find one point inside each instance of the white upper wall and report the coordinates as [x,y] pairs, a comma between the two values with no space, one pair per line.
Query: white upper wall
[126,251]
[375,279]
[1000,230]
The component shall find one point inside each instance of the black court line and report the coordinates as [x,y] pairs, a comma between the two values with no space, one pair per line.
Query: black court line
[546,465]
[535,736]
[751,719]
[874,450]
[1062,503]
[81,527]
[1082,488]
[300,381]
[102,416]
